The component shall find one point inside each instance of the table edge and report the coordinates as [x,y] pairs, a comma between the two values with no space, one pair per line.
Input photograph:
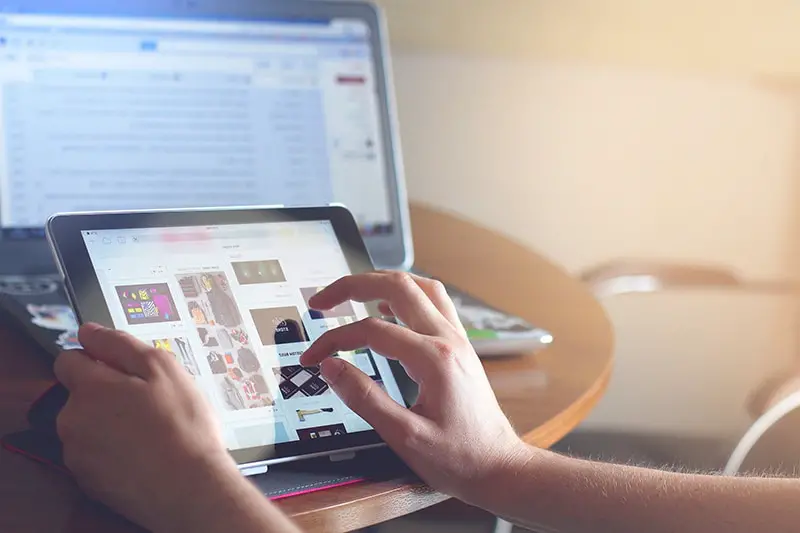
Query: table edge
[572,416]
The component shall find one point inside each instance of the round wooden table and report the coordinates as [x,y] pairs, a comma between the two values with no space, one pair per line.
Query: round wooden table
[545,396]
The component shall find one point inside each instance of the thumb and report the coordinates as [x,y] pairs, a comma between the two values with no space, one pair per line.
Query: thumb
[361,394]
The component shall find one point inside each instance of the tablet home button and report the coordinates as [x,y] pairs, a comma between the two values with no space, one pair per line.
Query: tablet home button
[344,456]
[254,471]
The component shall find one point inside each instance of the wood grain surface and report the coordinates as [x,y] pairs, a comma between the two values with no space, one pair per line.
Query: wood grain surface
[545,396]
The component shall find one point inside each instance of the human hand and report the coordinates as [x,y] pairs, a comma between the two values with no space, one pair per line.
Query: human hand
[456,435]
[139,436]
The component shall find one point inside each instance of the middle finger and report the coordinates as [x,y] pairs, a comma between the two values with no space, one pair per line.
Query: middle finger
[407,300]
[390,340]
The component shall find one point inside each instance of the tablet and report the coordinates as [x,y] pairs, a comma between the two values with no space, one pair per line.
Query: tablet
[226,292]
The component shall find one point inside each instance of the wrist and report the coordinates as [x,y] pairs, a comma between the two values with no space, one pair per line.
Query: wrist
[202,498]
[512,468]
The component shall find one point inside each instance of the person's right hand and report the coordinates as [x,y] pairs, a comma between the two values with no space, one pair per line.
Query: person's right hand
[456,435]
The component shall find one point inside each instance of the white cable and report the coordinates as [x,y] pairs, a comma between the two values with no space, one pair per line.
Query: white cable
[758,429]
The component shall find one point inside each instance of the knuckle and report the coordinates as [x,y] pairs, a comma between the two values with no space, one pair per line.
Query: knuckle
[160,357]
[414,435]
[374,330]
[444,350]
[122,340]
[437,287]
[155,359]
[355,392]
[361,393]
[110,337]
[401,280]
[373,324]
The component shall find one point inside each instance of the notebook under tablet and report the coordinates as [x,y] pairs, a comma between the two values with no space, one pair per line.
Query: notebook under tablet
[226,293]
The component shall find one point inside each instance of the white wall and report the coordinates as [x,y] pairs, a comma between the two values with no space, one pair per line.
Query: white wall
[588,163]
[739,37]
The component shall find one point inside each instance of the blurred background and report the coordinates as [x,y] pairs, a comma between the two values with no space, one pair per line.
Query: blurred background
[666,130]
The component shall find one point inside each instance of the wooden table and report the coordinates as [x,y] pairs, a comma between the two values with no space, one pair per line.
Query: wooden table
[545,396]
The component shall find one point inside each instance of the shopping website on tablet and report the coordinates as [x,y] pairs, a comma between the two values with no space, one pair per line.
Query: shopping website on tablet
[230,303]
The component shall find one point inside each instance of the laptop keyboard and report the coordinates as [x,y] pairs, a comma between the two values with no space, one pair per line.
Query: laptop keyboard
[26,258]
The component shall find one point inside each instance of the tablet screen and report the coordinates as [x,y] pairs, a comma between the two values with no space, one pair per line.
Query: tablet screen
[230,303]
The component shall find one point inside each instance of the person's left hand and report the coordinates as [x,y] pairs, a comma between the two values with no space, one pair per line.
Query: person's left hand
[138,435]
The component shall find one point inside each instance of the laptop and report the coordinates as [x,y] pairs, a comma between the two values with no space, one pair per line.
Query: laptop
[144,104]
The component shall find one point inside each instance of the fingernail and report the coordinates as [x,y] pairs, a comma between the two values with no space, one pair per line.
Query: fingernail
[315,303]
[331,369]
[92,327]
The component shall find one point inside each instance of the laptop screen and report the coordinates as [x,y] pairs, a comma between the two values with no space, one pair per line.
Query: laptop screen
[118,113]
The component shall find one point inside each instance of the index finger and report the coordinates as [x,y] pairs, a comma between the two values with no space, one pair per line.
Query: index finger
[74,369]
[389,340]
[437,292]
[118,350]
[408,301]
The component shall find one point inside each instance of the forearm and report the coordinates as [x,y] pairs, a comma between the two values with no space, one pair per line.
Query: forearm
[552,493]
[223,503]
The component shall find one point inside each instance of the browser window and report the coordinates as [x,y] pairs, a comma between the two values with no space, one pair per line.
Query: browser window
[116,114]
[230,304]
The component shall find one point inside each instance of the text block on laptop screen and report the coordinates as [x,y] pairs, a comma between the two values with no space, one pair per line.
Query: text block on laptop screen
[122,113]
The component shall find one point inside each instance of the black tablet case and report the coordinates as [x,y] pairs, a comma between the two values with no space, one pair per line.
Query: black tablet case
[19,292]
[41,444]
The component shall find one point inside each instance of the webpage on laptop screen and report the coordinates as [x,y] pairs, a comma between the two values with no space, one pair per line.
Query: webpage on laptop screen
[117,114]
[230,304]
